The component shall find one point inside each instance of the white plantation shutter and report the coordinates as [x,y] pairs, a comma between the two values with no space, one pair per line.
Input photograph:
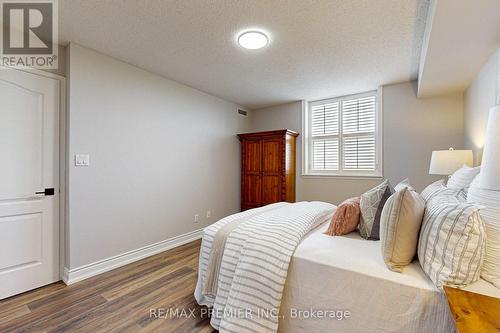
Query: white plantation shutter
[326,154]
[358,115]
[325,132]
[325,119]
[343,136]
[359,153]
[358,131]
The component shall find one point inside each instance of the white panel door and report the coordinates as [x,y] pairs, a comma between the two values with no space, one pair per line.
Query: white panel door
[29,170]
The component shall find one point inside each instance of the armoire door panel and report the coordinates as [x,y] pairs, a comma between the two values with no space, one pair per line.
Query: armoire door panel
[253,156]
[252,194]
[272,156]
[271,189]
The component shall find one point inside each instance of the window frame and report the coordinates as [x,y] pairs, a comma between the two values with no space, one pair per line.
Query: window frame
[307,142]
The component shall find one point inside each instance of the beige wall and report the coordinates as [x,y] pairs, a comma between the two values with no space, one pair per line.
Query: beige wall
[478,99]
[412,129]
[160,152]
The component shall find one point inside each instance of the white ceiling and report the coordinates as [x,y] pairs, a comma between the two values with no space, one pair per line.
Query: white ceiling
[318,49]
[460,37]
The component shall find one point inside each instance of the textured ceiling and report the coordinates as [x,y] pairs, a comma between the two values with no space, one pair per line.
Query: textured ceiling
[318,48]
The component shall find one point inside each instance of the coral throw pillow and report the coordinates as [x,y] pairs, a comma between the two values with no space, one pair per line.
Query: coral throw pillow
[345,219]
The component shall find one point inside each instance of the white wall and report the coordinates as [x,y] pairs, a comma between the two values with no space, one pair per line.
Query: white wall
[412,129]
[159,153]
[482,94]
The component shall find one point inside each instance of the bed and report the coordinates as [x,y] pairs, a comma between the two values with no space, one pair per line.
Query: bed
[337,284]
[348,273]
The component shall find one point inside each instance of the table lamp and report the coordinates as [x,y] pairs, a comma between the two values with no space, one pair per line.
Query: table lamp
[446,162]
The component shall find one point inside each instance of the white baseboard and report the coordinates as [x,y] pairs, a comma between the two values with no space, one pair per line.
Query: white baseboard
[65,276]
[84,272]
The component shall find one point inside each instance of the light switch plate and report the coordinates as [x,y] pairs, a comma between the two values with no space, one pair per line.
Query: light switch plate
[82,160]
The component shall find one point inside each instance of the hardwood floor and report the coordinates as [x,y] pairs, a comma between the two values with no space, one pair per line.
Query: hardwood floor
[127,299]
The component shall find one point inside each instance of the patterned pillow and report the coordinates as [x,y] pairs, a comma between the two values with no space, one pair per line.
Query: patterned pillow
[491,217]
[346,218]
[433,189]
[463,177]
[451,246]
[371,205]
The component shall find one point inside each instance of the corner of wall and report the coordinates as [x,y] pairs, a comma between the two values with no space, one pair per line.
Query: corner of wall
[498,76]
[65,163]
[479,97]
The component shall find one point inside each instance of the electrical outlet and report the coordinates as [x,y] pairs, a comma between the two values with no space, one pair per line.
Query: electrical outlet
[209,214]
[196,218]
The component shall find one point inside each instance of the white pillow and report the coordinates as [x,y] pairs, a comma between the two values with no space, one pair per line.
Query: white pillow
[451,245]
[463,177]
[448,195]
[491,217]
[438,191]
[402,184]
[432,189]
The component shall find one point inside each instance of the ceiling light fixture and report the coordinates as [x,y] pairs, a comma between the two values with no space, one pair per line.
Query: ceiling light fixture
[253,40]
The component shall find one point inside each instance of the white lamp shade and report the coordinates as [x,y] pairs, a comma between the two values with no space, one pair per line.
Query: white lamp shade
[489,178]
[446,162]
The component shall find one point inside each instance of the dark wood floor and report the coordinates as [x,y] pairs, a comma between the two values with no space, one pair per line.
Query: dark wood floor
[121,300]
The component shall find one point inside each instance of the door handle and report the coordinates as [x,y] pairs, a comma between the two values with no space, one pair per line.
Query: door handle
[47,191]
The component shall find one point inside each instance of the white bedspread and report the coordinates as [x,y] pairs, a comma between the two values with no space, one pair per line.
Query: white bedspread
[347,273]
[255,263]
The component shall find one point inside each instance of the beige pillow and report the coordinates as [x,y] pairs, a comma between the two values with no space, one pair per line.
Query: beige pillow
[400,226]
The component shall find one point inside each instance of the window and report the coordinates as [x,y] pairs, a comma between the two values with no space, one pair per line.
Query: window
[343,136]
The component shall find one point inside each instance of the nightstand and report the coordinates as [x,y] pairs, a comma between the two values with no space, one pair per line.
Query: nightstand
[473,313]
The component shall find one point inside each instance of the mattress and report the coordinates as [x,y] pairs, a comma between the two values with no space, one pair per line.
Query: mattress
[341,284]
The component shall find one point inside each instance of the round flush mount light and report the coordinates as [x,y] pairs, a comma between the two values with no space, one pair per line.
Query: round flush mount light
[253,40]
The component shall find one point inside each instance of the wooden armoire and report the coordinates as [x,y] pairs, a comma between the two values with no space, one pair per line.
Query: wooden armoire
[267,168]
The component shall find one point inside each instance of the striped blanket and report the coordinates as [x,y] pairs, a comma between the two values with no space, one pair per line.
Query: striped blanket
[251,274]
